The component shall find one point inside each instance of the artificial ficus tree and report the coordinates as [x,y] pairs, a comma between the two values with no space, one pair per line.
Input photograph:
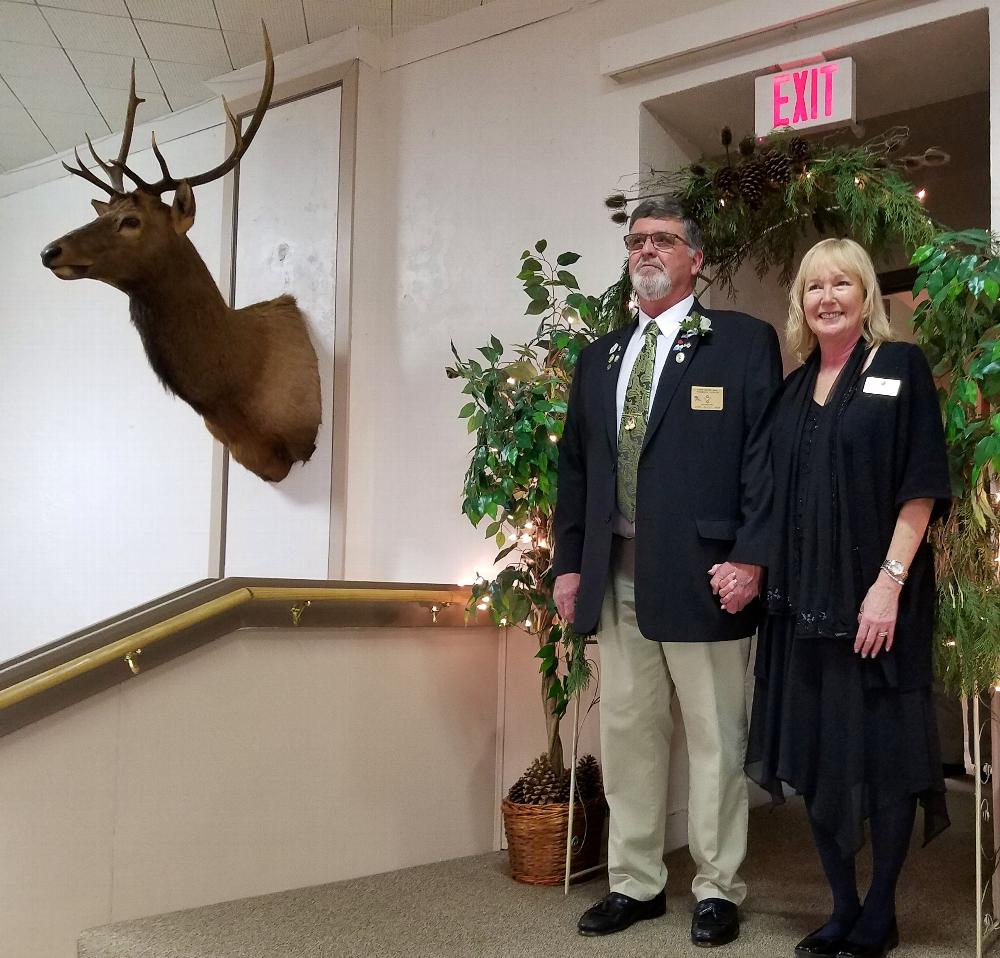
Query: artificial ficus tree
[516,409]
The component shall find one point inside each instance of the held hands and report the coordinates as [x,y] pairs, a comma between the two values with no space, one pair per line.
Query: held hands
[564,594]
[735,583]
[877,618]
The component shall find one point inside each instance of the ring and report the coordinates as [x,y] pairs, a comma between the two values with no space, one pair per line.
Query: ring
[883,635]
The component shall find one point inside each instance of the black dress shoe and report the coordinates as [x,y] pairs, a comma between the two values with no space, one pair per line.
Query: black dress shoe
[715,922]
[813,946]
[850,949]
[615,912]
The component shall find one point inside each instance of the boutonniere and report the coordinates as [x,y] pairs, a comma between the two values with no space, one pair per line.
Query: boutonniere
[695,325]
[614,354]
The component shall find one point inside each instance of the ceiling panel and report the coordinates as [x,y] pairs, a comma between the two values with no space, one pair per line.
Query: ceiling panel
[184,82]
[327,17]
[66,130]
[286,26]
[27,60]
[53,93]
[95,32]
[115,8]
[25,23]
[430,9]
[172,41]
[114,106]
[7,97]
[22,141]
[194,13]
[110,70]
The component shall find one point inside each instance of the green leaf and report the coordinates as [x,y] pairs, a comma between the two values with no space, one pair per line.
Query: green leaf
[991,290]
[567,279]
[921,253]
[525,254]
[491,530]
[540,246]
[467,410]
[532,264]
[567,259]
[501,539]
[536,307]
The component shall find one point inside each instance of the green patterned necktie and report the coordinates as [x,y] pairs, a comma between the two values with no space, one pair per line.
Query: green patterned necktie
[635,413]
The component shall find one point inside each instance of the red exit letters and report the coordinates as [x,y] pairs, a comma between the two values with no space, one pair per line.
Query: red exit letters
[808,91]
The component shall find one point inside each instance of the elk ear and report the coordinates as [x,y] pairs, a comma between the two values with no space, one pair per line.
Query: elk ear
[100,206]
[182,212]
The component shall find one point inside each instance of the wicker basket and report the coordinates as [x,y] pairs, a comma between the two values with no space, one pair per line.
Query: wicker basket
[536,839]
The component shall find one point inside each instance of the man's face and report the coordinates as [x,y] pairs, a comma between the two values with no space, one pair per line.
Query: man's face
[663,273]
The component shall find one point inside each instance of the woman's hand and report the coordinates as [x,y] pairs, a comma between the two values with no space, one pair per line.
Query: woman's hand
[877,618]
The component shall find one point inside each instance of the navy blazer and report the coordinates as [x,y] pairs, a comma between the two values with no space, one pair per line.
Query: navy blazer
[703,492]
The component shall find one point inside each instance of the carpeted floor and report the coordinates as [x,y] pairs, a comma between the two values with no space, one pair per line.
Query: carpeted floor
[469,908]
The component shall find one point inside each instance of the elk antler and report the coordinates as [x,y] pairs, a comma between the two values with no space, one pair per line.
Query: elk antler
[118,169]
[113,169]
[243,140]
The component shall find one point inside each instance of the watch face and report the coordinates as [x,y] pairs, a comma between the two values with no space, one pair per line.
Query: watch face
[894,566]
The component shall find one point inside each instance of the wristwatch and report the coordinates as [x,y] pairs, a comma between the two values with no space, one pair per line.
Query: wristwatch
[895,570]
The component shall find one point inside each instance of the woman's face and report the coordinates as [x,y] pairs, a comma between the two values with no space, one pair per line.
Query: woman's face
[832,300]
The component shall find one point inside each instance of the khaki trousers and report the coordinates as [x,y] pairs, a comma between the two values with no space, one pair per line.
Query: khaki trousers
[638,681]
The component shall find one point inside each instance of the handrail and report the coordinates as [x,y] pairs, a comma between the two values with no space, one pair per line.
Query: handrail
[132,644]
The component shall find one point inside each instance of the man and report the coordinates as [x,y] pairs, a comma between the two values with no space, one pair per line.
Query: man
[660,538]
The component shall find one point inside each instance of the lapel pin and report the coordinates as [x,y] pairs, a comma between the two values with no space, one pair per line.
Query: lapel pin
[679,357]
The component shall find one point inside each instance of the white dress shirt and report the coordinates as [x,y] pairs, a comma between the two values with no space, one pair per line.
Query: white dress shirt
[669,322]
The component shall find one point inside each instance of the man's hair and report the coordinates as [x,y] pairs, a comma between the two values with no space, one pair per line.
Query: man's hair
[668,208]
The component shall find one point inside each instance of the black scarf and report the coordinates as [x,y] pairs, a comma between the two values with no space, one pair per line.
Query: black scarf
[813,572]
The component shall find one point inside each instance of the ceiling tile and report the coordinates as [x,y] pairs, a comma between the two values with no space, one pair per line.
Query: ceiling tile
[7,98]
[66,130]
[22,141]
[22,23]
[185,81]
[27,60]
[286,26]
[94,32]
[327,17]
[111,70]
[53,93]
[114,106]
[171,41]
[115,8]
[429,9]
[194,13]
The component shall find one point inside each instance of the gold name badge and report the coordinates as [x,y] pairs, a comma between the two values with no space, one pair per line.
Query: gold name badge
[706,397]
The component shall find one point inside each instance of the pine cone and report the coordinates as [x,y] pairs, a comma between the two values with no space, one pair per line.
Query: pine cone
[616,201]
[726,137]
[588,778]
[698,171]
[747,146]
[753,182]
[726,183]
[777,169]
[620,217]
[798,149]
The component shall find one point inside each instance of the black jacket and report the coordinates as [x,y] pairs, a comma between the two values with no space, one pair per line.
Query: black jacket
[703,483]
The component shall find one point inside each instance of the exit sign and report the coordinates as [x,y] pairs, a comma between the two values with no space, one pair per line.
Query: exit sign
[806,97]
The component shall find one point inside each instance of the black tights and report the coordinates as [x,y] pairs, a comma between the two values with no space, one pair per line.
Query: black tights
[891,827]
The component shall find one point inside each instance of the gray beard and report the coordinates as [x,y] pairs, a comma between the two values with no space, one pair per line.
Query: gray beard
[649,284]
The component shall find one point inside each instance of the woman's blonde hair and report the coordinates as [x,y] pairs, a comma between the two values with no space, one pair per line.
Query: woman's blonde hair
[852,258]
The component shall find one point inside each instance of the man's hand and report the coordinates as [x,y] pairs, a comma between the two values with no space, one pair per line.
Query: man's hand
[564,593]
[735,583]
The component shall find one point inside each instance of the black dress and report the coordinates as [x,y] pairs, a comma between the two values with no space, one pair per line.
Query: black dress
[849,733]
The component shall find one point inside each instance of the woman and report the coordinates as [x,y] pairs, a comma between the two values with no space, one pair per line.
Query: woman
[842,710]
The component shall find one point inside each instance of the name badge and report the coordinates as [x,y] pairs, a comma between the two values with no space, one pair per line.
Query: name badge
[706,397]
[881,387]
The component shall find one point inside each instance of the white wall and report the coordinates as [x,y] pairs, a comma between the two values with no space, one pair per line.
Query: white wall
[266,760]
[105,488]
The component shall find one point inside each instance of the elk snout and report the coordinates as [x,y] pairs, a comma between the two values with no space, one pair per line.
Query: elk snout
[50,254]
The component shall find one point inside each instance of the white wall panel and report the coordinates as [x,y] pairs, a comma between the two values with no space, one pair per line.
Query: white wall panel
[286,242]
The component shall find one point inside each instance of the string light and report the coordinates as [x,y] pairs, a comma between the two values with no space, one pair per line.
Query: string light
[530,525]
[511,381]
[553,437]
[544,544]
[921,194]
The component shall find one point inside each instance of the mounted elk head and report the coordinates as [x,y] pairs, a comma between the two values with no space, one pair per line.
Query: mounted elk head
[251,373]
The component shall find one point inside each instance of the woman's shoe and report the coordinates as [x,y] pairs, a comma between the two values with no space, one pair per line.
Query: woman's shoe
[814,946]
[848,949]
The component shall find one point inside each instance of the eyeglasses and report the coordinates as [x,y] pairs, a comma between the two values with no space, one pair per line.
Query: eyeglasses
[664,242]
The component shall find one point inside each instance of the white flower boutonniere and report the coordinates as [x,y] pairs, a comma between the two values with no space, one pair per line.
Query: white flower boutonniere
[695,325]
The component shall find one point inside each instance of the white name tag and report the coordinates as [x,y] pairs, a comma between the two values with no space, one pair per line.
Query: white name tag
[881,387]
